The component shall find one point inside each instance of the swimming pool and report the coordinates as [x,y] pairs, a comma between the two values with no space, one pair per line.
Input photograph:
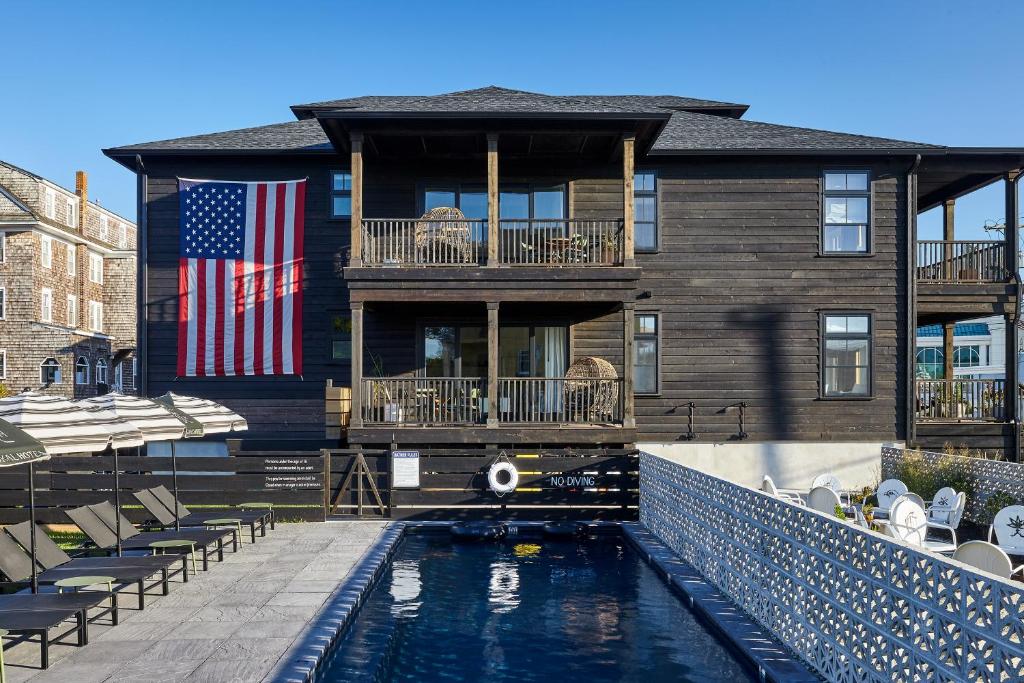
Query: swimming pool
[527,609]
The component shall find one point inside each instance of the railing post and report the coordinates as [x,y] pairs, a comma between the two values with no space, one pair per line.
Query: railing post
[493,213]
[628,311]
[1011,394]
[492,364]
[356,255]
[948,332]
[948,236]
[357,365]
[628,144]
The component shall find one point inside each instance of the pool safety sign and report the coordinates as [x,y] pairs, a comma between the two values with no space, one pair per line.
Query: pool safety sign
[405,469]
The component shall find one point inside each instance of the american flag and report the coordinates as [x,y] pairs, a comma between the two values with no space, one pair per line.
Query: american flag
[240,278]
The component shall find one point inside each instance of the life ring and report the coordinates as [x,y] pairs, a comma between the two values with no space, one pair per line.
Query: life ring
[496,485]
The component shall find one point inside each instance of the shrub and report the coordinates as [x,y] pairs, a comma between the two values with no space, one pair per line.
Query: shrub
[926,478]
[993,504]
[839,512]
[4,391]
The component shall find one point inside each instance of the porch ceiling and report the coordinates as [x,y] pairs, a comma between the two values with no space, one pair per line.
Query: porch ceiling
[956,172]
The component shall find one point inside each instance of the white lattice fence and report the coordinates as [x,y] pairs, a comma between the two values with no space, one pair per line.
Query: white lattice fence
[858,606]
[990,476]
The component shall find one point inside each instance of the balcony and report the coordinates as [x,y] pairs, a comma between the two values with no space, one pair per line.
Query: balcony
[455,401]
[957,261]
[417,242]
[961,400]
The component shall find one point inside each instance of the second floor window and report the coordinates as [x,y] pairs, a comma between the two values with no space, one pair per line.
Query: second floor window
[95,316]
[72,310]
[72,260]
[104,228]
[968,356]
[645,211]
[96,268]
[72,220]
[46,251]
[847,210]
[46,305]
[50,203]
[645,352]
[122,237]
[931,363]
[341,194]
[846,352]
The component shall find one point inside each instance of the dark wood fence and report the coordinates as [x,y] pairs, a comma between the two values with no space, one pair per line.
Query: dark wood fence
[553,484]
[292,481]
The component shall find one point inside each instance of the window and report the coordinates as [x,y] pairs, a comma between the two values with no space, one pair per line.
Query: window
[526,351]
[101,371]
[49,371]
[931,363]
[847,355]
[3,246]
[645,211]
[104,228]
[454,351]
[46,250]
[847,200]
[119,376]
[96,268]
[516,203]
[71,260]
[3,364]
[3,303]
[341,194]
[46,305]
[72,310]
[50,203]
[95,316]
[341,338]
[72,214]
[122,237]
[645,353]
[81,370]
[968,356]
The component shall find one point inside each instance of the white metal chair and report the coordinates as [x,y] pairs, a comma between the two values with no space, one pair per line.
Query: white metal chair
[986,557]
[908,522]
[824,499]
[887,493]
[831,481]
[768,486]
[946,510]
[1008,529]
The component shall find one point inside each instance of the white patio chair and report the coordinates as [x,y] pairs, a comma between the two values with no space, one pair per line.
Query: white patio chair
[909,523]
[1008,529]
[886,494]
[986,557]
[946,510]
[831,481]
[768,486]
[823,499]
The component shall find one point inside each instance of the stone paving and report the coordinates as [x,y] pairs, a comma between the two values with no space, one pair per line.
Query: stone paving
[230,624]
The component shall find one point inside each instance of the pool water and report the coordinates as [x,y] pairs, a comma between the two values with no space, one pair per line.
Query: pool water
[528,610]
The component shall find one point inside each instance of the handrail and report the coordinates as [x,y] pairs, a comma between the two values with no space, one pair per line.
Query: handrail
[423,242]
[559,400]
[961,261]
[955,400]
[423,400]
[560,242]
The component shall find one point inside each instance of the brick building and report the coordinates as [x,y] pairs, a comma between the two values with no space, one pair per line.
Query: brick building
[67,288]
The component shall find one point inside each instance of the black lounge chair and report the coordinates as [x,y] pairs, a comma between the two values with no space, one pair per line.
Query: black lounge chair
[160,503]
[16,564]
[99,521]
[35,614]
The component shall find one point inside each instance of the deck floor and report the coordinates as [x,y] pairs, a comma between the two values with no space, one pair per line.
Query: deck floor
[231,623]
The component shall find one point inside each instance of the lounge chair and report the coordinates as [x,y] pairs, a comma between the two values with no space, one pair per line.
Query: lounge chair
[1007,527]
[831,481]
[16,563]
[160,503]
[28,615]
[886,494]
[99,521]
[768,486]
[987,557]
[908,522]
[824,499]
[946,510]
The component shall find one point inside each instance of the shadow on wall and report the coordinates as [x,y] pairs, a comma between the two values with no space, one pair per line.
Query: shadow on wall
[772,375]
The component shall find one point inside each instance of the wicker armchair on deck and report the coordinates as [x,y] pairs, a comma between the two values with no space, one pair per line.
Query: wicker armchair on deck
[443,236]
[591,389]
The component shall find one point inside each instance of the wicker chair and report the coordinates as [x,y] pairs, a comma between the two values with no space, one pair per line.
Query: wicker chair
[591,389]
[443,236]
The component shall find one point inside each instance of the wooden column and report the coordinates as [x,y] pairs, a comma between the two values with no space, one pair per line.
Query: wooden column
[948,235]
[493,401]
[493,213]
[948,330]
[628,144]
[356,257]
[1012,331]
[357,365]
[628,417]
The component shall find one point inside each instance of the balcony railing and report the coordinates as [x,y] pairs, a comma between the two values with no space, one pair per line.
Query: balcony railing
[422,242]
[411,242]
[423,400]
[959,261]
[969,400]
[558,400]
[560,242]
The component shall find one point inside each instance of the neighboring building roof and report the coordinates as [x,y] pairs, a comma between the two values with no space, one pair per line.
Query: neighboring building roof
[36,176]
[12,208]
[960,330]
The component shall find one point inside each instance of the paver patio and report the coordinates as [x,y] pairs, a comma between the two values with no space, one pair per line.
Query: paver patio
[230,624]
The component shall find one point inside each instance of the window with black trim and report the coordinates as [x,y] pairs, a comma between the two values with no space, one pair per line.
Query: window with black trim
[846,222]
[646,338]
[645,211]
[341,194]
[49,371]
[846,354]
[341,337]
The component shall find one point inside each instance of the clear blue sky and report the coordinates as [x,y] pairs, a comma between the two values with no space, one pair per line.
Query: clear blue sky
[98,74]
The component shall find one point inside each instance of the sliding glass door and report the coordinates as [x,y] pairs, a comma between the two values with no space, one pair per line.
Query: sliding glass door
[527,352]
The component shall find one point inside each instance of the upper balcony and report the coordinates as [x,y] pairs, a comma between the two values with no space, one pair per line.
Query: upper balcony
[957,279]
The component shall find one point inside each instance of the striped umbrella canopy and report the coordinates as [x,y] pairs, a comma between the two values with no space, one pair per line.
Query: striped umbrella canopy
[212,417]
[123,434]
[55,422]
[151,419]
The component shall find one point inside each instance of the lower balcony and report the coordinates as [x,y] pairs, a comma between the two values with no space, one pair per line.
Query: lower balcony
[961,400]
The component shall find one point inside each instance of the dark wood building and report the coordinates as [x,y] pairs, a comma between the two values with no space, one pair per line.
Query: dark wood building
[621,270]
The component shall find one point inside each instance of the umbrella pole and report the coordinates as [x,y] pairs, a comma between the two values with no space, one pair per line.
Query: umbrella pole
[117,502]
[174,484]
[32,523]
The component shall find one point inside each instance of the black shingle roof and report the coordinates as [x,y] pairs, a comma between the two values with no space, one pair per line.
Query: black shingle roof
[687,130]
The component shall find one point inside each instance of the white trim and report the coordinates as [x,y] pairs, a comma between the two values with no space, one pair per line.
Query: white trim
[47,229]
[95,316]
[72,303]
[84,362]
[104,228]
[71,259]
[94,258]
[46,251]
[72,208]
[46,311]
[50,203]
[101,363]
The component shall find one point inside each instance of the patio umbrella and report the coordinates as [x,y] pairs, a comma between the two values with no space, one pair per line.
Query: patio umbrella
[58,426]
[18,448]
[203,416]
